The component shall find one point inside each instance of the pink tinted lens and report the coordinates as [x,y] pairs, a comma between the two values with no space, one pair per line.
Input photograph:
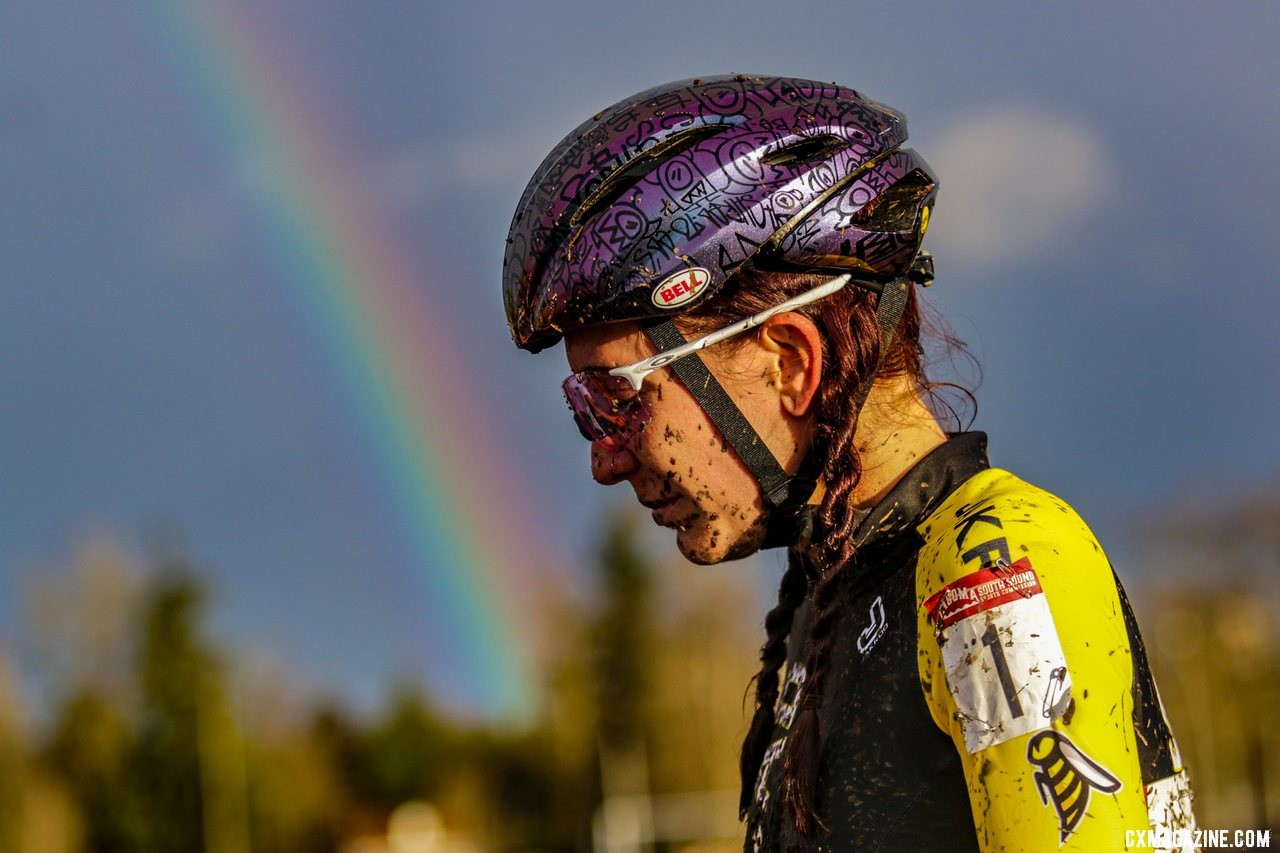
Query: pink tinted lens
[605,407]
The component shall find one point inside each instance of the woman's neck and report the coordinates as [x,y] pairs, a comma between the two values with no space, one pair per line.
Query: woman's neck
[895,431]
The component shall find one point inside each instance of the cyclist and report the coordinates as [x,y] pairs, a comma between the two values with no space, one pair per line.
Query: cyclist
[952,664]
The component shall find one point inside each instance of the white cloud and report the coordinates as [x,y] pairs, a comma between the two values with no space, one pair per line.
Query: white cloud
[1012,178]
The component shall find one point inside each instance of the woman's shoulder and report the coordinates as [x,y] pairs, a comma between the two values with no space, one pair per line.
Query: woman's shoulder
[996,517]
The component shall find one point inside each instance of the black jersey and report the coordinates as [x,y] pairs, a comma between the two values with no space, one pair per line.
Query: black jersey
[984,656]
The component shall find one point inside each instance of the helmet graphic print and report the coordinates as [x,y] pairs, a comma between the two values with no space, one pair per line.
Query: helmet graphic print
[647,208]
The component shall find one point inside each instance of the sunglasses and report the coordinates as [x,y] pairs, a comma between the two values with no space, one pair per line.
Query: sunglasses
[607,405]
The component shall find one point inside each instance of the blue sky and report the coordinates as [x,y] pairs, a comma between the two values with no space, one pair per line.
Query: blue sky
[1108,199]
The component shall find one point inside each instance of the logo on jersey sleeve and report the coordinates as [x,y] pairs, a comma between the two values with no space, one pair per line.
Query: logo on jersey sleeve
[1004,662]
[875,630]
[982,591]
[1066,777]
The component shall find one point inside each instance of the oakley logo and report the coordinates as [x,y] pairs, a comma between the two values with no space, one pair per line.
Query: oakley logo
[681,287]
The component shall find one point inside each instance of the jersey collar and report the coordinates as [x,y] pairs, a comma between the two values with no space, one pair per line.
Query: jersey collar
[925,486]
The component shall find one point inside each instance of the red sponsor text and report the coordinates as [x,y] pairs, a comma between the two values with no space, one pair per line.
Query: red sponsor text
[680,289]
[980,591]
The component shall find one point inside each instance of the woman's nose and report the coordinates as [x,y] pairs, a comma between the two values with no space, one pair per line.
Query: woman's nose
[609,466]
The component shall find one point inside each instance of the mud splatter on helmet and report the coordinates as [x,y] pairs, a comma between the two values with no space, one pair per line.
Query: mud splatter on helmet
[710,174]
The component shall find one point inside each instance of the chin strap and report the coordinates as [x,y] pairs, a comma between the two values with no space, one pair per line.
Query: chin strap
[778,488]
[784,495]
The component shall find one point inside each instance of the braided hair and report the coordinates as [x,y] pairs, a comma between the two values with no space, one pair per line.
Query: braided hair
[850,351]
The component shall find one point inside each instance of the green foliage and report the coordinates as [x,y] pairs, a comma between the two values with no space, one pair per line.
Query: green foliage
[135,773]
[177,673]
[93,748]
[406,756]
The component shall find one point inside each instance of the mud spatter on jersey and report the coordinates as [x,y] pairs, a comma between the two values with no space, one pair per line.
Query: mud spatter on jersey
[989,689]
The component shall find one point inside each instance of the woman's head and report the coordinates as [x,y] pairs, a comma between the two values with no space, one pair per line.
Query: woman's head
[671,205]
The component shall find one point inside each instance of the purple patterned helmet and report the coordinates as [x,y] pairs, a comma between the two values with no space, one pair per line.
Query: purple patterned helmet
[648,207]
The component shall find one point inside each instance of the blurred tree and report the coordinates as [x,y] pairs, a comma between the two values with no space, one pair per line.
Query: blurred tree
[674,651]
[83,632]
[175,672]
[91,749]
[623,644]
[569,725]
[1212,586]
[705,661]
[146,750]
[297,800]
[622,636]
[408,755]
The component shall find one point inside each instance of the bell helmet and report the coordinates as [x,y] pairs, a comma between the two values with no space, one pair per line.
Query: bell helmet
[648,207]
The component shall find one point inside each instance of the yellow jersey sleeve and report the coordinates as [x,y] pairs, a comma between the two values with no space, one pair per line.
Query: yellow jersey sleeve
[1025,661]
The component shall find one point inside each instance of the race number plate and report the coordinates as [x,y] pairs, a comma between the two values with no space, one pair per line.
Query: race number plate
[1003,659]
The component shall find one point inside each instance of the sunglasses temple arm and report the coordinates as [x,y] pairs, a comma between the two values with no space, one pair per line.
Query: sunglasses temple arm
[635,373]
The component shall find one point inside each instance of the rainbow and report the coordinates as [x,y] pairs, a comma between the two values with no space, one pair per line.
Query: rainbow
[363,301]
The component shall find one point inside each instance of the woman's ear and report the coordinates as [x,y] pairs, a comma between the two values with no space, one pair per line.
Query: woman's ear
[793,347]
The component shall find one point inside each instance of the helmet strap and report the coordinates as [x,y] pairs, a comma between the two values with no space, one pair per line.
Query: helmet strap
[889,308]
[783,493]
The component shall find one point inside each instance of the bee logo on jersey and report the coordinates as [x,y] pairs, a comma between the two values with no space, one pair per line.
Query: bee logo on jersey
[1066,776]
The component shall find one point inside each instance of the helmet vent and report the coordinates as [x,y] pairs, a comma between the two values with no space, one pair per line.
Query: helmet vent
[897,208]
[643,164]
[811,149]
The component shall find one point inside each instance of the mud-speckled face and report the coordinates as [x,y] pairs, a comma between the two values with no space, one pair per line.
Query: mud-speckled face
[679,466]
